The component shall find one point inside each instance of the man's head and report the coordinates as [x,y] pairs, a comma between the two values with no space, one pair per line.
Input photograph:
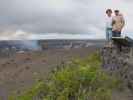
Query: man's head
[116,12]
[109,12]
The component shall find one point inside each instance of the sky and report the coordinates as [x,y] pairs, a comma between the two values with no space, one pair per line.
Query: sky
[20,19]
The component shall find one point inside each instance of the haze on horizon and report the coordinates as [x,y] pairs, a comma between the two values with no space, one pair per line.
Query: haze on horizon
[21,18]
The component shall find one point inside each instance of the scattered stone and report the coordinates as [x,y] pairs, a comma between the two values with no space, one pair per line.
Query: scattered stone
[27,67]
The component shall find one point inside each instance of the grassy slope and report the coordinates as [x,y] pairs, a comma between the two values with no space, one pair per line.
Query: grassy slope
[81,79]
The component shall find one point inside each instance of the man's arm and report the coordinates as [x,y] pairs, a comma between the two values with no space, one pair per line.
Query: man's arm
[122,21]
[113,21]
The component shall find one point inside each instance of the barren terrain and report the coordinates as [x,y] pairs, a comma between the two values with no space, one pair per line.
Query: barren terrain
[22,70]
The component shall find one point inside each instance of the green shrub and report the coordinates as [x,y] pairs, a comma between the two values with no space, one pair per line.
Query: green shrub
[82,79]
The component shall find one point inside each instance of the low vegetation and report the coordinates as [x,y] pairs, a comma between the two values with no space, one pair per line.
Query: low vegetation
[81,79]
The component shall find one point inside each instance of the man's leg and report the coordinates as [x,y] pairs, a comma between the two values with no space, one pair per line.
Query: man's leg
[118,34]
[113,34]
[110,38]
[107,35]
[110,34]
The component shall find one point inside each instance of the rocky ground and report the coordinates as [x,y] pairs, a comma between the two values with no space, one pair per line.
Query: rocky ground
[21,70]
[118,61]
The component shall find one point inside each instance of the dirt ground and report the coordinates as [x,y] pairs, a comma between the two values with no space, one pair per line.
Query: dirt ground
[23,69]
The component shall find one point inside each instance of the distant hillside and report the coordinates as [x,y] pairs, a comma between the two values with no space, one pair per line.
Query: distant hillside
[19,44]
[67,44]
[48,44]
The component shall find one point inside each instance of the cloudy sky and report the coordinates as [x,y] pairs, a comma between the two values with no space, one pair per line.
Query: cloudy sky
[85,18]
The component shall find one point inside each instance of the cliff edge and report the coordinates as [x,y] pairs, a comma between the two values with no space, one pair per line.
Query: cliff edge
[118,59]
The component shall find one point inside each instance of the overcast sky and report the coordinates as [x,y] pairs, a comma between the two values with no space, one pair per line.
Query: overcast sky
[24,17]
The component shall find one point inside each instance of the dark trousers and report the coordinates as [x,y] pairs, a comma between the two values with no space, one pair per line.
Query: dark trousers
[116,34]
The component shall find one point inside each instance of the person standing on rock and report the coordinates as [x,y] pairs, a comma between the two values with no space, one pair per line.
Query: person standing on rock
[109,24]
[118,23]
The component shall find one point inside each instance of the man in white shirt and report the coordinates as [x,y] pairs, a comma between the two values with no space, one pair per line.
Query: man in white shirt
[109,24]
